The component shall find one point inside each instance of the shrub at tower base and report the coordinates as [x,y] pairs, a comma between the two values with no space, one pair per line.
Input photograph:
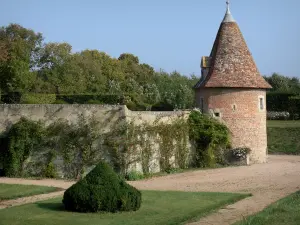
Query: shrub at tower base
[102,190]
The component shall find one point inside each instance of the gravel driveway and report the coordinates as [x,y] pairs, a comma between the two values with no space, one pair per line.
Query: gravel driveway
[268,182]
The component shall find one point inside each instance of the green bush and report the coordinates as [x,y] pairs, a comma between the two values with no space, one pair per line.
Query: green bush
[50,171]
[33,98]
[102,190]
[134,175]
[209,136]
[23,137]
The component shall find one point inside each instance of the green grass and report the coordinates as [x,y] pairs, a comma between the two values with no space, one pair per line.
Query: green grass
[286,211]
[283,137]
[158,207]
[283,123]
[13,191]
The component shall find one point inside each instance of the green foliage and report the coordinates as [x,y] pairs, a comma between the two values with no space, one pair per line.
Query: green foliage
[130,143]
[284,102]
[33,98]
[30,66]
[283,84]
[209,136]
[90,98]
[102,190]
[22,46]
[173,142]
[129,57]
[134,175]
[76,144]
[50,170]
[20,141]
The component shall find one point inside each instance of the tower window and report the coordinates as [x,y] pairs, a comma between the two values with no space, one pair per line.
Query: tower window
[261,103]
[217,114]
[234,107]
[202,104]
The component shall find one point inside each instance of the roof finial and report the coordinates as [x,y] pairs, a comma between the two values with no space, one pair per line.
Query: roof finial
[227,3]
[228,17]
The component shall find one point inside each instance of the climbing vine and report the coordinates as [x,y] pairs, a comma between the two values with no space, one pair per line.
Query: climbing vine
[76,143]
[69,150]
[209,137]
[17,145]
[140,144]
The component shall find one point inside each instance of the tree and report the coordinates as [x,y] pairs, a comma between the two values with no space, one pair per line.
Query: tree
[282,83]
[129,57]
[62,69]
[21,48]
[151,94]
[3,52]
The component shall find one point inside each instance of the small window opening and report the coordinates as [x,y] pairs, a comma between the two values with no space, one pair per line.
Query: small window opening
[261,103]
[234,107]
[217,114]
[202,104]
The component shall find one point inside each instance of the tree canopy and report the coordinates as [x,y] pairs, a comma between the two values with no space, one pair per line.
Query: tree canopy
[29,66]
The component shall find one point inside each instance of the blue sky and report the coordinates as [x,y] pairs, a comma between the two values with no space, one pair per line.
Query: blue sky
[167,34]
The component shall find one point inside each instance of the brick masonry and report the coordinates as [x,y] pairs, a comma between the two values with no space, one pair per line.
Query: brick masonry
[239,109]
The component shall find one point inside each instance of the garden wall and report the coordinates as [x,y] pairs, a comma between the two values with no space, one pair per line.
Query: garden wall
[109,116]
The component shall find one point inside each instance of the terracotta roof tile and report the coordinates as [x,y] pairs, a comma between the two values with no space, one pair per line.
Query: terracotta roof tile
[232,64]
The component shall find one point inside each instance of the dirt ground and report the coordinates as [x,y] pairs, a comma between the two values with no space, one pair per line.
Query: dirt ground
[267,182]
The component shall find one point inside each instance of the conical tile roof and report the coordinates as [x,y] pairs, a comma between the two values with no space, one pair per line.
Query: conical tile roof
[231,63]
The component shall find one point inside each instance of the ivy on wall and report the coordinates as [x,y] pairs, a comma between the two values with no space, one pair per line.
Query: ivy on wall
[148,143]
[17,145]
[76,144]
[32,149]
[210,138]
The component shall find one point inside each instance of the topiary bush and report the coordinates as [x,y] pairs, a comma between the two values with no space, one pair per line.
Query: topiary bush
[102,190]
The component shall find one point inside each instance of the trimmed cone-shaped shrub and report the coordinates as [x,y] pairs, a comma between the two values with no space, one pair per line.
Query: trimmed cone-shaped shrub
[102,190]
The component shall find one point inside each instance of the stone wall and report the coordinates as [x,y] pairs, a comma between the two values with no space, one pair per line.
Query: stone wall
[239,109]
[108,115]
[10,114]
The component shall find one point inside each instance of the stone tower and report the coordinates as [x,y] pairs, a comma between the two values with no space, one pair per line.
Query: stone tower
[232,90]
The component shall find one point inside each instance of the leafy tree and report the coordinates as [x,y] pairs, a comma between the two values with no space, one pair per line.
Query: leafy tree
[61,69]
[96,68]
[129,58]
[21,48]
[285,84]
[3,52]
[52,68]
[151,94]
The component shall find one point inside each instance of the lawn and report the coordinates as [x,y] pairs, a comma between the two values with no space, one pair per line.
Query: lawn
[286,211]
[12,191]
[283,137]
[283,123]
[158,207]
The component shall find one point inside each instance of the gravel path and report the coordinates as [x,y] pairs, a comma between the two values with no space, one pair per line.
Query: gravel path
[267,182]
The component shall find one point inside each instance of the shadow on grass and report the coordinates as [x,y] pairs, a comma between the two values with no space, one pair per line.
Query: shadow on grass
[58,207]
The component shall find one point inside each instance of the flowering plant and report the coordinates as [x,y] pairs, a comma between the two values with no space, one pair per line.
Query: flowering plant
[240,153]
[278,115]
